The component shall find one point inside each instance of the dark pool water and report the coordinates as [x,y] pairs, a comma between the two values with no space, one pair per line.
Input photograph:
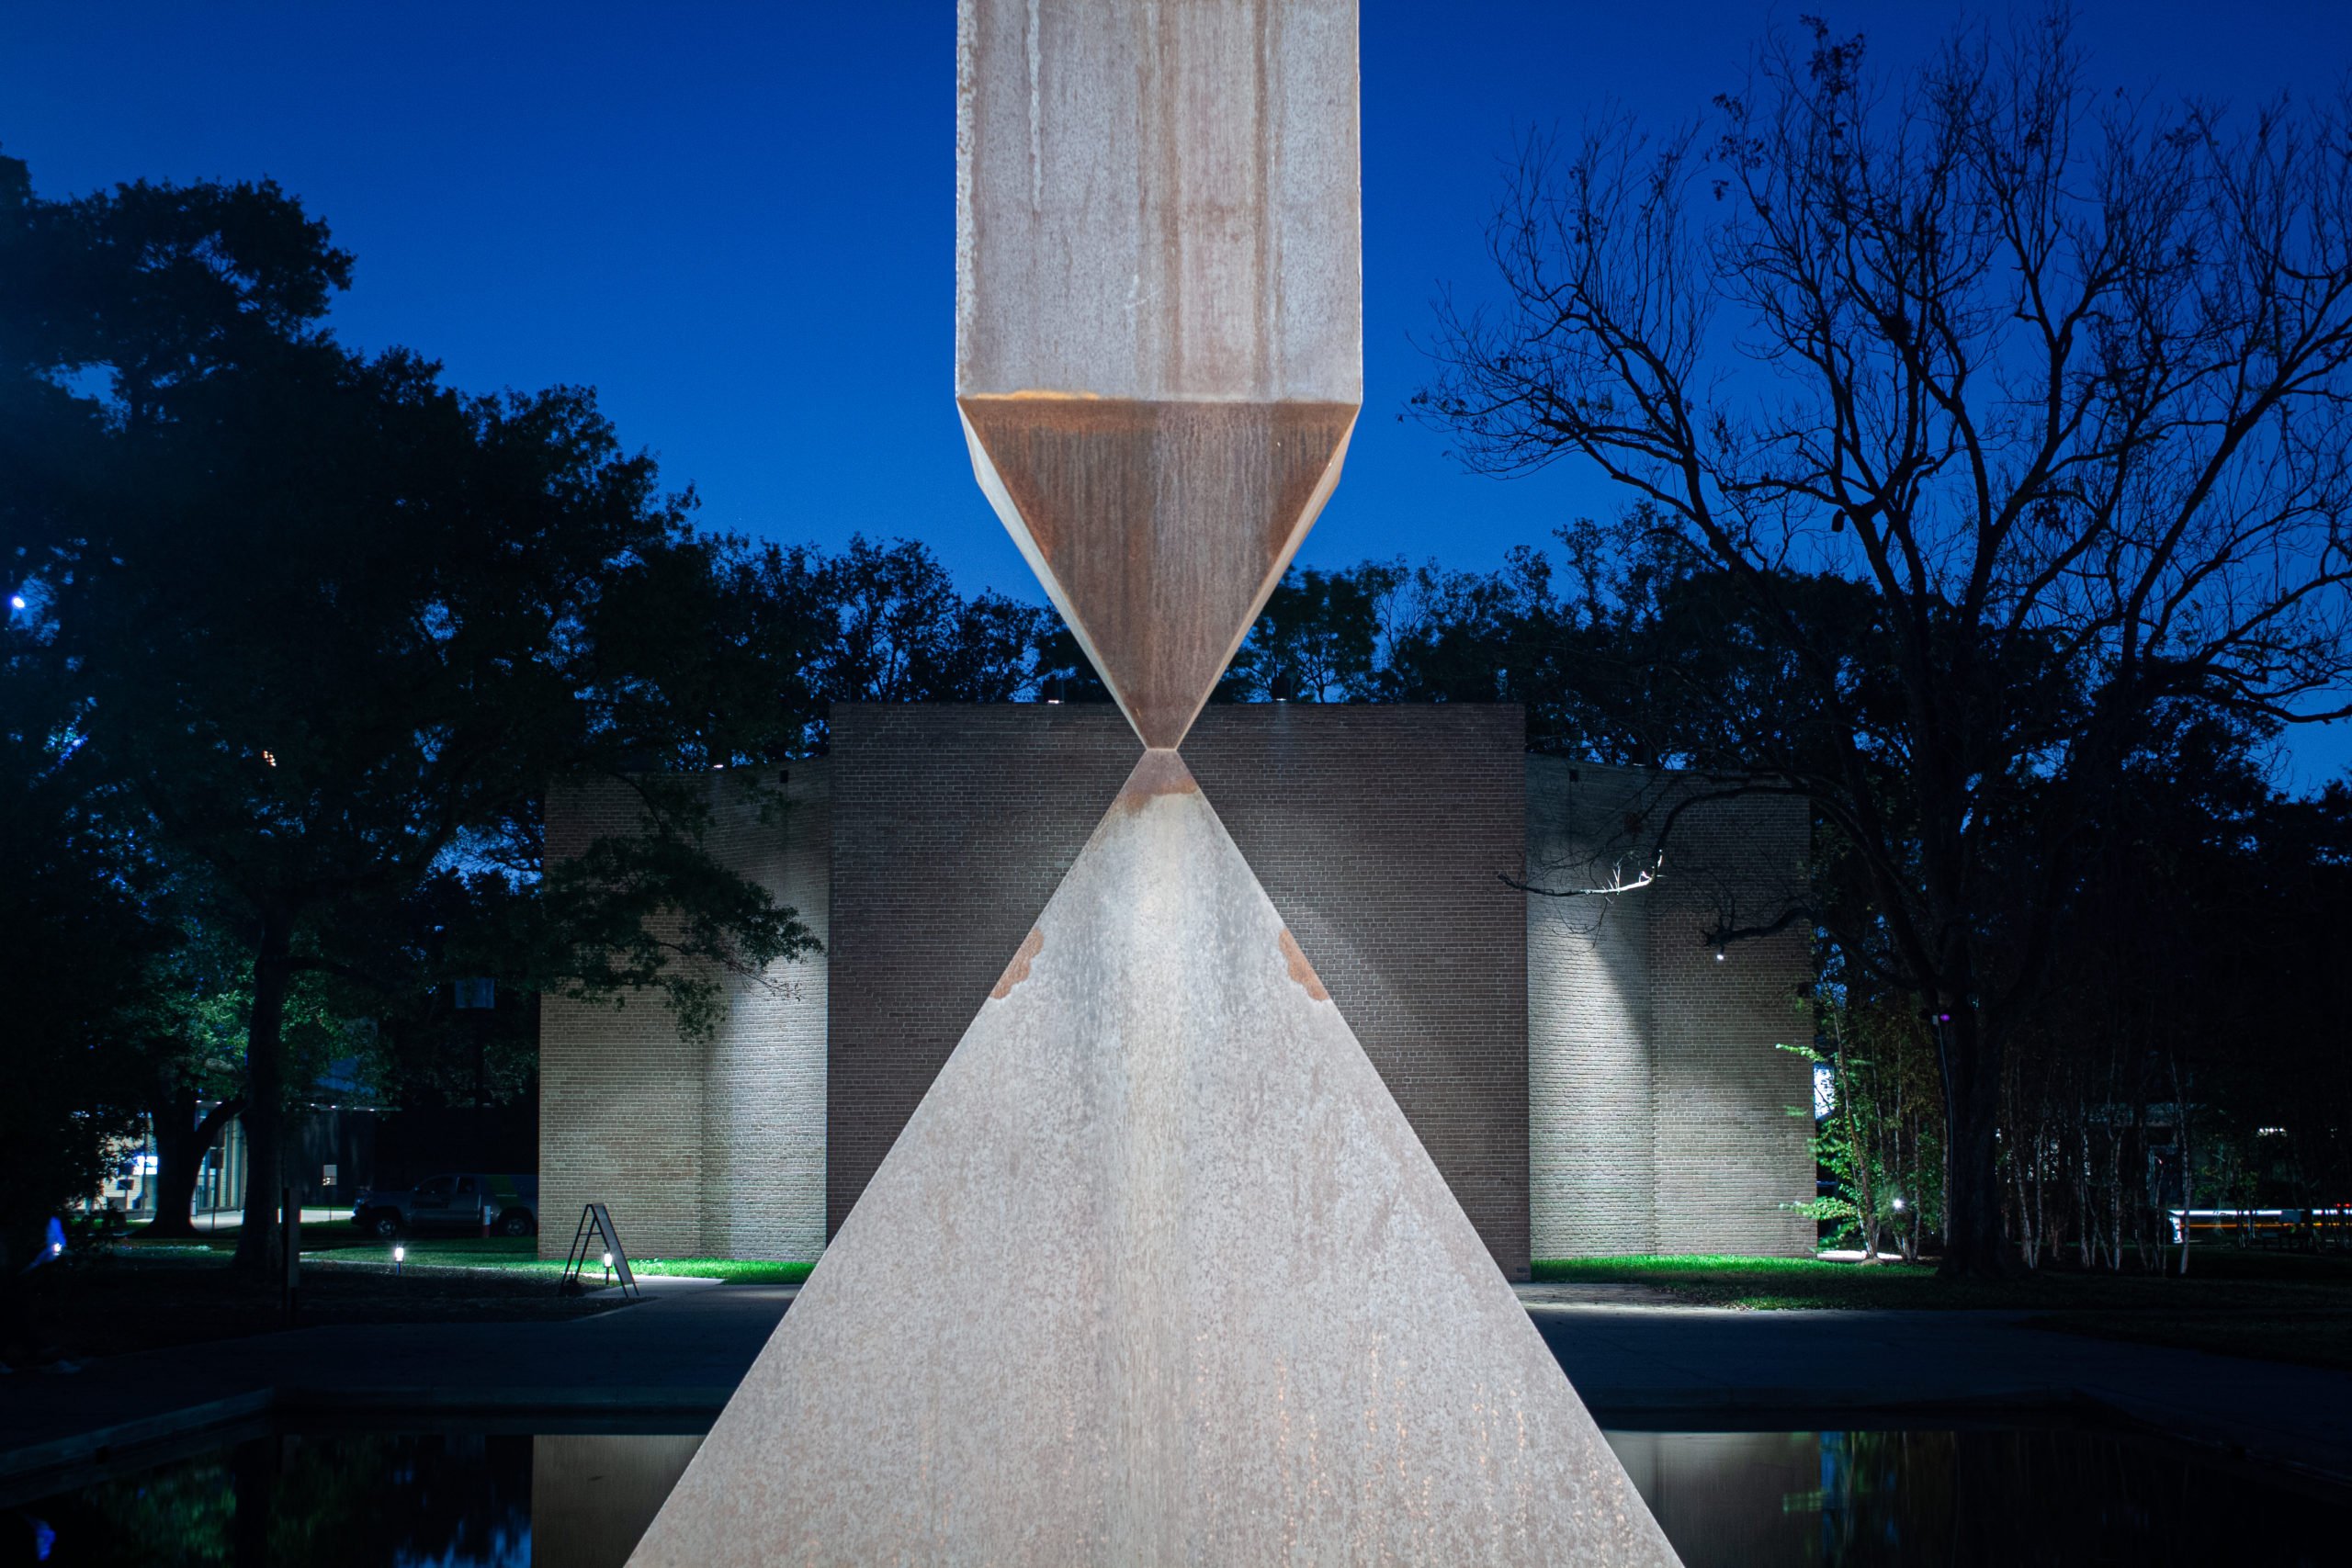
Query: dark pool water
[2001,1498]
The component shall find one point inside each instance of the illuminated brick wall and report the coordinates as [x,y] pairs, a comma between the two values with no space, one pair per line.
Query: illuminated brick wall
[1586,1075]
[1377,831]
[701,1147]
[1659,1106]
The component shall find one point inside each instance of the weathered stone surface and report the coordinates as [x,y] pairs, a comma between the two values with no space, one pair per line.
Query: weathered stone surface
[592,1495]
[1377,828]
[1159,202]
[1158,528]
[1158,1273]
[1159,312]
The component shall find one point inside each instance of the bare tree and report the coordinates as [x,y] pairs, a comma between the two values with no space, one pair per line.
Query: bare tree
[2060,378]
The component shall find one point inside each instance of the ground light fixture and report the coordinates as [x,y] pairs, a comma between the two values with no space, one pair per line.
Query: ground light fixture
[608,1267]
[400,1255]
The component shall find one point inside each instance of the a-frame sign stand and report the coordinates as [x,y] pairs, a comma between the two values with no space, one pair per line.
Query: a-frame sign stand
[597,1225]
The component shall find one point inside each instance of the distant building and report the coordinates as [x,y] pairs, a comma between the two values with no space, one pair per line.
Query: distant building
[1590,1072]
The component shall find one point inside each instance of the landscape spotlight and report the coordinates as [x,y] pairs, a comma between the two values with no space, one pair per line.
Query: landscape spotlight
[400,1255]
[15,601]
[1898,1205]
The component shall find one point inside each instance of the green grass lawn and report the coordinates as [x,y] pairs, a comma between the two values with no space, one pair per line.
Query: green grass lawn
[340,1243]
[2274,1305]
[1712,1280]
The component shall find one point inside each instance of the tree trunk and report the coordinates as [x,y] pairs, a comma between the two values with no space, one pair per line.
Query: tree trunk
[1973,1242]
[2043,1228]
[2114,1195]
[1846,1084]
[180,1142]
[2086,1237]
[258,1249]
[2187,1165]
[2020,1204]
[1913,1225]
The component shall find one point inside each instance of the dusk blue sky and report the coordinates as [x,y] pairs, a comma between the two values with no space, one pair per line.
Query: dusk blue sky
[736,222]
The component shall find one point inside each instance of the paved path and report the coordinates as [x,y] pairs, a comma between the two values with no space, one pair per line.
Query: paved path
[681,1352]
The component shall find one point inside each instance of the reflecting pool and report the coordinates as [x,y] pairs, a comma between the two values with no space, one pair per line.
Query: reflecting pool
[1996,1497]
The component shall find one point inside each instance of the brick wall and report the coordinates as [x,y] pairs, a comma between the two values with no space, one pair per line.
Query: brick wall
[1729,1154]
[701,1147]
[951,826]
[1592,1181]
[1586,1075]
[1377,832]
[1658,1106]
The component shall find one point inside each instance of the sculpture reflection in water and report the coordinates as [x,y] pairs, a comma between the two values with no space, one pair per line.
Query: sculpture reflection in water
[1981,1498]
[1991,1499]
[1158,1271]
[375,1500]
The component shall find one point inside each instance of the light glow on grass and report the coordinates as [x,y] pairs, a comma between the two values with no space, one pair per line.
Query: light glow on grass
[2221,1281]
[428,1253]
[1726,1280]
[1651,1265]
[326,1244]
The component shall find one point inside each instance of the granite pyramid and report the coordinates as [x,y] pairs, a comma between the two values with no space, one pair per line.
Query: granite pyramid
[1157,1273]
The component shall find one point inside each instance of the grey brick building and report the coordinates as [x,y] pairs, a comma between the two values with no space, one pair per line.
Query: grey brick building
[1589,1075]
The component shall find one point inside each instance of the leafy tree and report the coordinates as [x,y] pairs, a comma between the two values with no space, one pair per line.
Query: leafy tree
[741,647]
[894,629]
[2194,1020]
[1065,673]
[76,940]
[1882,1139]
[1504,636]
[192,1049]
[1320,638]
[330,623]
[705,655]
[2057,381]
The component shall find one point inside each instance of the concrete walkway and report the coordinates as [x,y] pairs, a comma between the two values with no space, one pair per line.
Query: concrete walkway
[679,1353]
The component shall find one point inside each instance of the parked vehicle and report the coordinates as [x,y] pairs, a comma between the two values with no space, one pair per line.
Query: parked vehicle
[508,1205]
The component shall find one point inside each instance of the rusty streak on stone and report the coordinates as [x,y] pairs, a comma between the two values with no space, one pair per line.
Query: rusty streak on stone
[1035,1238]
[1162,772]
[1158,527]
[1018,970]
[1300,969]
[1159,201]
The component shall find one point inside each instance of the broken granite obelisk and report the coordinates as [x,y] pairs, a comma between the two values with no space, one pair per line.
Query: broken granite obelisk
[1158,1272]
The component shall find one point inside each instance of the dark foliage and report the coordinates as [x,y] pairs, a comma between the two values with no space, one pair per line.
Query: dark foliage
[2050,386]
